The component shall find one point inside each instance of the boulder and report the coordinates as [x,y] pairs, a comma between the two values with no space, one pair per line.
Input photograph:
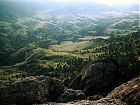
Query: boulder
[37,89]
[128,92]
[70,95]
[100,76]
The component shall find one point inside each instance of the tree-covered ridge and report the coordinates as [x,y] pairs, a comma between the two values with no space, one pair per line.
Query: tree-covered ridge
[126,49]
[65,27]
[34,60]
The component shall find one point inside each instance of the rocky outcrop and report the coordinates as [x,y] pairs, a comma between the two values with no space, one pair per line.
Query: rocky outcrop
[95,80]
[32,90]
[100,76]
[37,89]
[128,92]
[104,101]
[70,95]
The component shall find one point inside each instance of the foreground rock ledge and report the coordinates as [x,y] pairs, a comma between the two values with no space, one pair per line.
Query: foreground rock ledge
[32,90]
[37,89]
[104,101]
[128,92]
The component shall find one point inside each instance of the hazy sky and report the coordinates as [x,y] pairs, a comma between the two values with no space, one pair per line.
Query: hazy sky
[108,2]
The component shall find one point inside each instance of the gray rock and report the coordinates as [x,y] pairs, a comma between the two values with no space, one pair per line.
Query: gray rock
[95,97]
[128,92]
[38,89]
[70,95]
[100,76]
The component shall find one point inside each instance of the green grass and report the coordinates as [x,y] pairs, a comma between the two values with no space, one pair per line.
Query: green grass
[51,55]
[2,23]
[68,46]
[48,61]
[88,38]
[9,73]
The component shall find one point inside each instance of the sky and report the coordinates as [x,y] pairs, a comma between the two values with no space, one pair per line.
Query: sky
[109,2]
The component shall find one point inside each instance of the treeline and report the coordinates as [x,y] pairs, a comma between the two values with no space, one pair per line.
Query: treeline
[66,69]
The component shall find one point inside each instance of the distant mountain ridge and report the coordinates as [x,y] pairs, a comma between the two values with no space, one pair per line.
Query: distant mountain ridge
[10,10]
[14,9]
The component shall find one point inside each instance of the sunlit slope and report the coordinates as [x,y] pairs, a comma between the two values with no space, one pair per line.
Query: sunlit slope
[59,28]
[62,27]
